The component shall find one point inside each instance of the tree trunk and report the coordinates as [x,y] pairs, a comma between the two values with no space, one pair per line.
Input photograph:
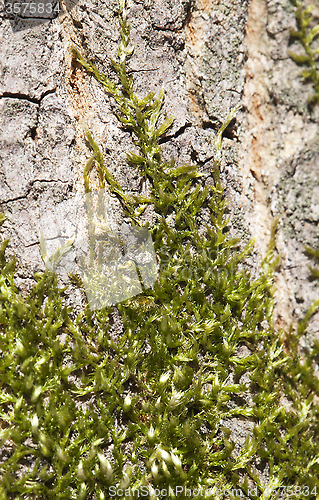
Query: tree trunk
[209,55]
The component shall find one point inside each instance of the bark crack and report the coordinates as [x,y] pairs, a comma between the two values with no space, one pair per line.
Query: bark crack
[176,134]
[26,97]
[29,189]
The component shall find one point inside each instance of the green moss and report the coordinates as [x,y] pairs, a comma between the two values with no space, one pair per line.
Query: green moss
[198,359]
[2,218]
[307,33]
[314,254]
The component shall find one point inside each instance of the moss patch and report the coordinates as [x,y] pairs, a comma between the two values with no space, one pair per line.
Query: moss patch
[197,370]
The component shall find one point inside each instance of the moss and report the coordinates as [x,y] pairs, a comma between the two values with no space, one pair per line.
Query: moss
[307,33]
[84,411]
[314,254]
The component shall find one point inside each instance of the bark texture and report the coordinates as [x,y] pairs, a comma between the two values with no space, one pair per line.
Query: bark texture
[209,55]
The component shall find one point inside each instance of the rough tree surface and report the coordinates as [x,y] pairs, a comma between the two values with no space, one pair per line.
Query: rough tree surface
[209,56]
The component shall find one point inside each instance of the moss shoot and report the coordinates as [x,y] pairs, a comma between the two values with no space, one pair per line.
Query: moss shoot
[307,34]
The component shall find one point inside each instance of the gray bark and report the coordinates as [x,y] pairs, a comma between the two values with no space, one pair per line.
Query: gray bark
[209,55]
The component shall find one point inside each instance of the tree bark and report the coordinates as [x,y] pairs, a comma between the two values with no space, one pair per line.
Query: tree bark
[209,55]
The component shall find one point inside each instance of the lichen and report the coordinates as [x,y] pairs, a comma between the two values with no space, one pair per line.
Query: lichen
[87,414]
